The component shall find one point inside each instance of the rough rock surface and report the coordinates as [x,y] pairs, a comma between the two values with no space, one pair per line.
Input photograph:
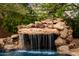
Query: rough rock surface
[9,43]
[14,36]
[59,41]
[59,25]
[64,33]
[63,49]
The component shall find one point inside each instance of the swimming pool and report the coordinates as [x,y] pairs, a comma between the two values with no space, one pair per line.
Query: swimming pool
[29,53]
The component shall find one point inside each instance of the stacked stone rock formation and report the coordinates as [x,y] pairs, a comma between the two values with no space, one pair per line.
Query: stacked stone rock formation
[58,26]
[9,43]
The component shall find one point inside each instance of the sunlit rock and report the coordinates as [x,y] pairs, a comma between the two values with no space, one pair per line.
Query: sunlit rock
[30,25]
[64,33]
[59,42]
[63,49]
[9,40]
[8,47]
[14,36]
[59,25]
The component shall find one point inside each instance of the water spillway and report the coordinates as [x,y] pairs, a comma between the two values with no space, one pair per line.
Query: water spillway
[38,39]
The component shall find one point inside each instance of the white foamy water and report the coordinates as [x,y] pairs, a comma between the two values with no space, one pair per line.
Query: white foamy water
[36,52]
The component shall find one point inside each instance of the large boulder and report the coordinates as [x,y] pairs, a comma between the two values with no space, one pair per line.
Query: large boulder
[63,49]
[59,25]
[59,41]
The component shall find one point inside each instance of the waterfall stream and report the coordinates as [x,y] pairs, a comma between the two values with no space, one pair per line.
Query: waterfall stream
[39,42]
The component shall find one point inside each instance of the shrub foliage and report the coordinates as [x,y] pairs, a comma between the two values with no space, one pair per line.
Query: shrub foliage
[12,15]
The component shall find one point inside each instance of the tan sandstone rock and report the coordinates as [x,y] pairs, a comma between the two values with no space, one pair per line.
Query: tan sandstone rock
[59,25]
[59,41]
[47,21]
[59,19]
[30,25]
[14,36]
[9,40]
[2,41]
[74,52]
[9,47]
[72,45]
[63,49]
[64,33]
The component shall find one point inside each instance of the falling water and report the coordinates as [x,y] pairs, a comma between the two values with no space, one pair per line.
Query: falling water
[21,41]
[39,41]
[31,41]
[49,42]
[38,37]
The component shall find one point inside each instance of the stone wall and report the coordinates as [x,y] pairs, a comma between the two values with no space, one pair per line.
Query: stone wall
[59,26]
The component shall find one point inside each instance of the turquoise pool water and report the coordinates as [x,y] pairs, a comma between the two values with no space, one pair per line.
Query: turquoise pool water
[29,53]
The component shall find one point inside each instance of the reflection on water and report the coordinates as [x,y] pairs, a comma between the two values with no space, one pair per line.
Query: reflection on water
[29,53]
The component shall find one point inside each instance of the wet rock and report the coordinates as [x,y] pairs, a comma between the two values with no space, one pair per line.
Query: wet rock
[20,45]
[59,41]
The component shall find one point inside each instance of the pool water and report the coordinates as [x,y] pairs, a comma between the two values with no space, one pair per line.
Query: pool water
[29,53]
